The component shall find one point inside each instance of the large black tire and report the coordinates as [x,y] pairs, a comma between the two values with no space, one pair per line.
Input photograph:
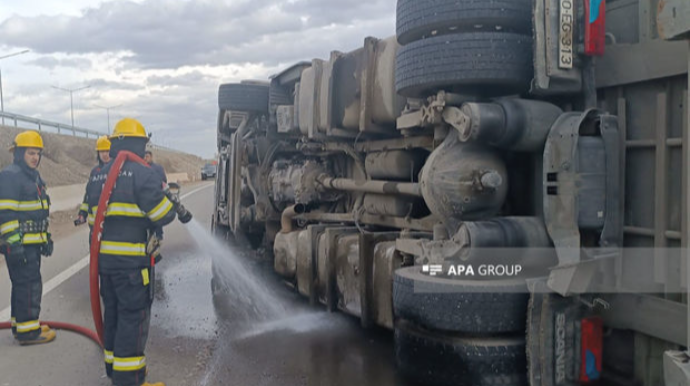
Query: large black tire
[482,63]
[243,97]
[467,306]
[419,19]
[439,360]
[278,96]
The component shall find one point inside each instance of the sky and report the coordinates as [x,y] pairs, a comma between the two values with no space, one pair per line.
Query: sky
[161,61]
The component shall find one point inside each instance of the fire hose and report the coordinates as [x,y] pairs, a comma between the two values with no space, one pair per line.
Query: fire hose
[94,284]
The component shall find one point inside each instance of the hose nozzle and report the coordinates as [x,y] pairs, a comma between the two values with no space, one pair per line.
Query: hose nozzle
[172,191]
[183,214]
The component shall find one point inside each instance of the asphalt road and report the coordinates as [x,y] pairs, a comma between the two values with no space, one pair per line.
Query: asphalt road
[254,332]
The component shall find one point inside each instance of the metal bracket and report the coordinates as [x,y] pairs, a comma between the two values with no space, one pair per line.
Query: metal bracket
[561,183]
[676,368]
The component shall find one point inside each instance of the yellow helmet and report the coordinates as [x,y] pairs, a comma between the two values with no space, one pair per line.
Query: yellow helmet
[28,139]
[129,127]
[103,143]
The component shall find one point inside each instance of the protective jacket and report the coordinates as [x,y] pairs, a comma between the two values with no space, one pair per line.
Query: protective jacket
[84,207]
[137,205]
[24,207]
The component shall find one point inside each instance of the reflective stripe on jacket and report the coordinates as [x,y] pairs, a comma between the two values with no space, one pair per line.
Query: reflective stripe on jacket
[23,201]
[136,205]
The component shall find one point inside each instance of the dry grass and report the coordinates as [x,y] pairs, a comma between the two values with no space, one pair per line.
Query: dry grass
[68,160]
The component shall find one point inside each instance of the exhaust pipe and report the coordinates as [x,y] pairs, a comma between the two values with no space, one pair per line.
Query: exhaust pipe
[287,216]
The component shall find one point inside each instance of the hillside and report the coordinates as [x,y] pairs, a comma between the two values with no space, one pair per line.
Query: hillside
[68,160]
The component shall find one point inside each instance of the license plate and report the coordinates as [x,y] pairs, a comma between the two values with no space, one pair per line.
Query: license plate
[565,41]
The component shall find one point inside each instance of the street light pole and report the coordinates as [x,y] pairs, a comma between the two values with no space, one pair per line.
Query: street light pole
[2,100]
[107,109]
[71,99]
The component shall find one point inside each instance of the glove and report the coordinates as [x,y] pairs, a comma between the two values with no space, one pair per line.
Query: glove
[47,248]
[81,220]
[183,214]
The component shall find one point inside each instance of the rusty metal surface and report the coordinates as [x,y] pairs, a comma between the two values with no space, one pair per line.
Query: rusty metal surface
[673,19]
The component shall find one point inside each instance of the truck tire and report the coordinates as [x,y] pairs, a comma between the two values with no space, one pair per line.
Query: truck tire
[446,360]
[278,96]
[466,306]
[482,63]
[422,19]
[243,97]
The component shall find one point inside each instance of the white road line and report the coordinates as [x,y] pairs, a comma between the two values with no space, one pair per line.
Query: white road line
[78,266]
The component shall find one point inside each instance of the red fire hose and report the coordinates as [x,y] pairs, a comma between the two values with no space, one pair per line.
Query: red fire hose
[94,284]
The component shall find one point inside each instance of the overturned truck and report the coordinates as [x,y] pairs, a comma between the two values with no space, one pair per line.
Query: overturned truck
[503,183]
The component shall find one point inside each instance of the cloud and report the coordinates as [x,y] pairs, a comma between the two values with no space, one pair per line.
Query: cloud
[173,33]
[52,63]
[162,60]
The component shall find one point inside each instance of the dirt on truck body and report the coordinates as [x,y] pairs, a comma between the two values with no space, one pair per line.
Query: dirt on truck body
[503,183]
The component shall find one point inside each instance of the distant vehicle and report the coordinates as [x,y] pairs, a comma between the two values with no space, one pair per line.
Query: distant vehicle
[208,171]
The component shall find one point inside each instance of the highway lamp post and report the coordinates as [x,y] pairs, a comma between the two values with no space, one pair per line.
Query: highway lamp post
[71,98]
[107,109]
[2,101]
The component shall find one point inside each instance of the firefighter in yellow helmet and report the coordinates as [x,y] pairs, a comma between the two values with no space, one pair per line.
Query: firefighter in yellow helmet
[138,204]
[24,237]
[103,157]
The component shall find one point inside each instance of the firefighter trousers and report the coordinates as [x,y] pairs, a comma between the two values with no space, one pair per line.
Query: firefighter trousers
[27,290]
[127,311]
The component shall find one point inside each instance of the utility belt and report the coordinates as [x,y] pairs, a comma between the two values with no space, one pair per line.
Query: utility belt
[33,226]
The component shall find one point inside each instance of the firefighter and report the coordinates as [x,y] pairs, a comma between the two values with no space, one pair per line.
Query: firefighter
[103,157]
[137,205]
[24,237]
[157,167]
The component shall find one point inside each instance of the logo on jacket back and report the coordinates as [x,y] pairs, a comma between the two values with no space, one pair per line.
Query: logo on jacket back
[103,177]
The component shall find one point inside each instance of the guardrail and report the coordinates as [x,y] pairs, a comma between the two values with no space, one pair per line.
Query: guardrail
[40,123]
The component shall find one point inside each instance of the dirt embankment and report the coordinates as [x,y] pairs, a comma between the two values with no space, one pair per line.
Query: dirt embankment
[68,160]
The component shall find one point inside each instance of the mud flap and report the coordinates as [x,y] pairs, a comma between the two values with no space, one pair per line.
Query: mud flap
[553,336]
[581,195]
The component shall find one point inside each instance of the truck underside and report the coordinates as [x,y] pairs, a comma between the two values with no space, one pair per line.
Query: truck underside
[515,209]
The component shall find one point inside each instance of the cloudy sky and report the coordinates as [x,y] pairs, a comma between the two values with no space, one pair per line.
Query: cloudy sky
[163,60]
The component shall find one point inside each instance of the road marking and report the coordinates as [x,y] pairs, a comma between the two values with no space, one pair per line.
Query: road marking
[65,275]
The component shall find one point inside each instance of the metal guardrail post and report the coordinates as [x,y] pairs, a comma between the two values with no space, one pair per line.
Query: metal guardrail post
[40,123]
[88,133]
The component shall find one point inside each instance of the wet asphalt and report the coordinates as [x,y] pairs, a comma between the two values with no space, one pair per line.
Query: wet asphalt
[203,337]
